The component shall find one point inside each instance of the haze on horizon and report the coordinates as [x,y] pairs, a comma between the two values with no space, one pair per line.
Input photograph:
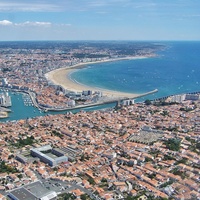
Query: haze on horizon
[99,20]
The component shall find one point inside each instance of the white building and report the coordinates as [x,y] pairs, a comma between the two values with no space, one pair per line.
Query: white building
[4,82]
[5,100]
[50,158]
[71,103]
[193,97]
[177,98]
[128,102]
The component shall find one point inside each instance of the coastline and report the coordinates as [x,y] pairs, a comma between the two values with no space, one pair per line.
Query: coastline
[62,77]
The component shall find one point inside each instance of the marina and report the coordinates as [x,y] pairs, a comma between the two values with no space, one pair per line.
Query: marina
[20,110]
[27,100]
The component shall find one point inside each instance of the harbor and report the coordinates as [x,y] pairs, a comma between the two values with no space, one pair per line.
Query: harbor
[20,110]
[24,105]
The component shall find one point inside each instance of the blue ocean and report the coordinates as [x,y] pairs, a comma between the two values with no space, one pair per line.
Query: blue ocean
[174,70]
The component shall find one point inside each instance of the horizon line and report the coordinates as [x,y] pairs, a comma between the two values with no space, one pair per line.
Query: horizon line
[101,40]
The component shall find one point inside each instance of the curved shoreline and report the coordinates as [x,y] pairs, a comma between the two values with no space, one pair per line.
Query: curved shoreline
[62,77]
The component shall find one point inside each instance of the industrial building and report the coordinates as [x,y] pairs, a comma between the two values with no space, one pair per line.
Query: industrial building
[32,191]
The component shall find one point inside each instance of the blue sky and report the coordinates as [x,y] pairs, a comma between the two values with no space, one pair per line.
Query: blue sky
[99,20]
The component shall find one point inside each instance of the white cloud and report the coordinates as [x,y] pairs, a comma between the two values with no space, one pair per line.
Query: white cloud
[59,5]
[31,24]
[63,24]
[28,23]
[30,6]
[5,23]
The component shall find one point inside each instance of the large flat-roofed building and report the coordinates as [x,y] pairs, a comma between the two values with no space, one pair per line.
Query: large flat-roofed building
[25,157]
[177,98]
[32,191]
[48,155]
[21,193]
[193,97]
[71,152]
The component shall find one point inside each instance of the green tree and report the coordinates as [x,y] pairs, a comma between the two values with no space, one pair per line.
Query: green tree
[198,145]
[91,181]
[173,144]
[83,196]
[147,102]
[104,180]
[20,176]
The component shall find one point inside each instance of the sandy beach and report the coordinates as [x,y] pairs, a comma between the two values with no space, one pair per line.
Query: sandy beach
[62,77]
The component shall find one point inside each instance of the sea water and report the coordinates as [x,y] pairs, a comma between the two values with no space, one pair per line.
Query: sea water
[173,71]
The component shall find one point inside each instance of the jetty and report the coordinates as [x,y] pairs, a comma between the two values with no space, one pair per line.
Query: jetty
[107,101]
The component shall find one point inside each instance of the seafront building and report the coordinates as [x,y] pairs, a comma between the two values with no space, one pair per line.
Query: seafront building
[182,97]
[193,97]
